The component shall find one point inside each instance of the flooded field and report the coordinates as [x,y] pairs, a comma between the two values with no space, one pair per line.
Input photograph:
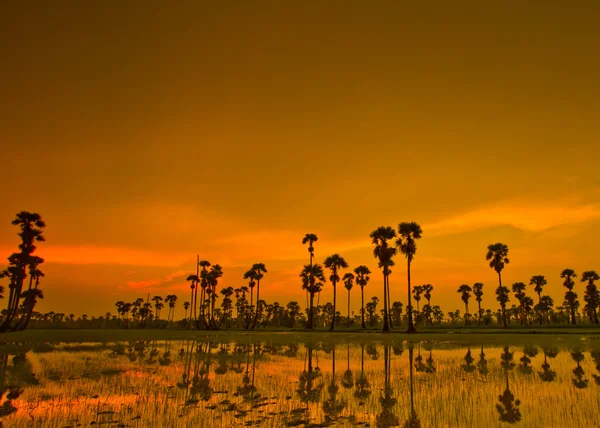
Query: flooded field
[216,382]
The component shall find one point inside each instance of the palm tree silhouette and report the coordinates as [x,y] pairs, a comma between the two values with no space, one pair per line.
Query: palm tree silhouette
[250,275]
[259,271]
[310,239]
[519,289]
[417,290]
[478,292]
[427,289]
[384,253]
[465,291]
[307,391]
[503,298]
[570,295]
[334,263]
[508,408]
[596,357]
[468,366]
[592,296]
[538,281]
[309,274]
[407,243]
[194,281]
[497,255]
[362,279]
[348,378]
[348,283]
[31,226]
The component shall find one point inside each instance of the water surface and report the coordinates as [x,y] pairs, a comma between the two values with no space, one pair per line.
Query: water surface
[213,383]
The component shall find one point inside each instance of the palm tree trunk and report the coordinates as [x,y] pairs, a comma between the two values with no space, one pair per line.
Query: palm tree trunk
[256,313]
[389,301]
[466,314]
[362,306]
[479,311]
[333,317]
[348,308]
[411,327]
[386,324]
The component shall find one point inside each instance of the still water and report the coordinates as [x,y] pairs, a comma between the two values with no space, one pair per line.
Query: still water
[216,383]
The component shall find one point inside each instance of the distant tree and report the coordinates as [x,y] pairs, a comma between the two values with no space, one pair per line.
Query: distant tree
[259,271]
[310,239]
[362,279]
[519,289]
[570,295]
[348,283]
[539,281]
[335,263]
[427,289]
[371,310]
[478,292]
[503,298]
[309,274]
[592,296]
[465,295]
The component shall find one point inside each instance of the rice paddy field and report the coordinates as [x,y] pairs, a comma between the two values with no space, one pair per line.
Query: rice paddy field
[279,380]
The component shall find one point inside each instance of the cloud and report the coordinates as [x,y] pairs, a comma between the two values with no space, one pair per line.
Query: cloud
[156,282]
[529,216]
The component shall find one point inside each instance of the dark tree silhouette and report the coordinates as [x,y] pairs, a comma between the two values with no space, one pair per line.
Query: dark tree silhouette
[335,263]
[579,382]
[387,418]
[497,255]
[570,295]
[259,271]
[478,292]
[465,295]
[384,253]
[591,296]
[362,279]
[409,233]
[348,283]
[508,408]
[309,274]
[310,239]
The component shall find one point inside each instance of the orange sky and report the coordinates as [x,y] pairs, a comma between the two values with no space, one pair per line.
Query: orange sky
[147,135]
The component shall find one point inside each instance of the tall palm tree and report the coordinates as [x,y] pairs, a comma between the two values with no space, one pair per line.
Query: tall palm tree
[570,295]
[538,281]
[497,255]
[186,306]
[348,283]
[203,283]
[427,289]
[334,263]
[478,292]
[407,243]
[194,280]
[465,291]
[250,275]
[215,273]
[362,279]
[259,271]
[309,274]
[384,253]
[592,296]
[310,239]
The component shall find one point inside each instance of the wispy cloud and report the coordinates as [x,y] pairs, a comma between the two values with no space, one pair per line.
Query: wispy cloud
[530,216]
[157,282]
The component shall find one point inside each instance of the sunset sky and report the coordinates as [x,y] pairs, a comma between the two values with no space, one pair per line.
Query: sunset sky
[229,129]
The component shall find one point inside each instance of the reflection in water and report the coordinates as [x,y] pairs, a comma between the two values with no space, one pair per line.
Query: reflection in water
[387,418]
[509,407]
[579,381]
[216,383]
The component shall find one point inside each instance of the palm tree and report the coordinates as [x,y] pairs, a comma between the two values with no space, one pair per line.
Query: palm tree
[519,289]
[417,291]
[570,295]
[409,233]
[427,289]
[348,283]
[203,283]
[497,255]
[309,274]
[186,306]
[250,275]
[362,279]
[546,303]
[503,298]
[194,280]
[384,253]
[310,239]
[478,292]
[259,271]
[465,291]
[334,263]
[538,281]
[592,296]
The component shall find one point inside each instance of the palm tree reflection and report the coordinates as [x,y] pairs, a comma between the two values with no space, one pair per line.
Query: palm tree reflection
[387,418]
[579,382]
[508,408]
